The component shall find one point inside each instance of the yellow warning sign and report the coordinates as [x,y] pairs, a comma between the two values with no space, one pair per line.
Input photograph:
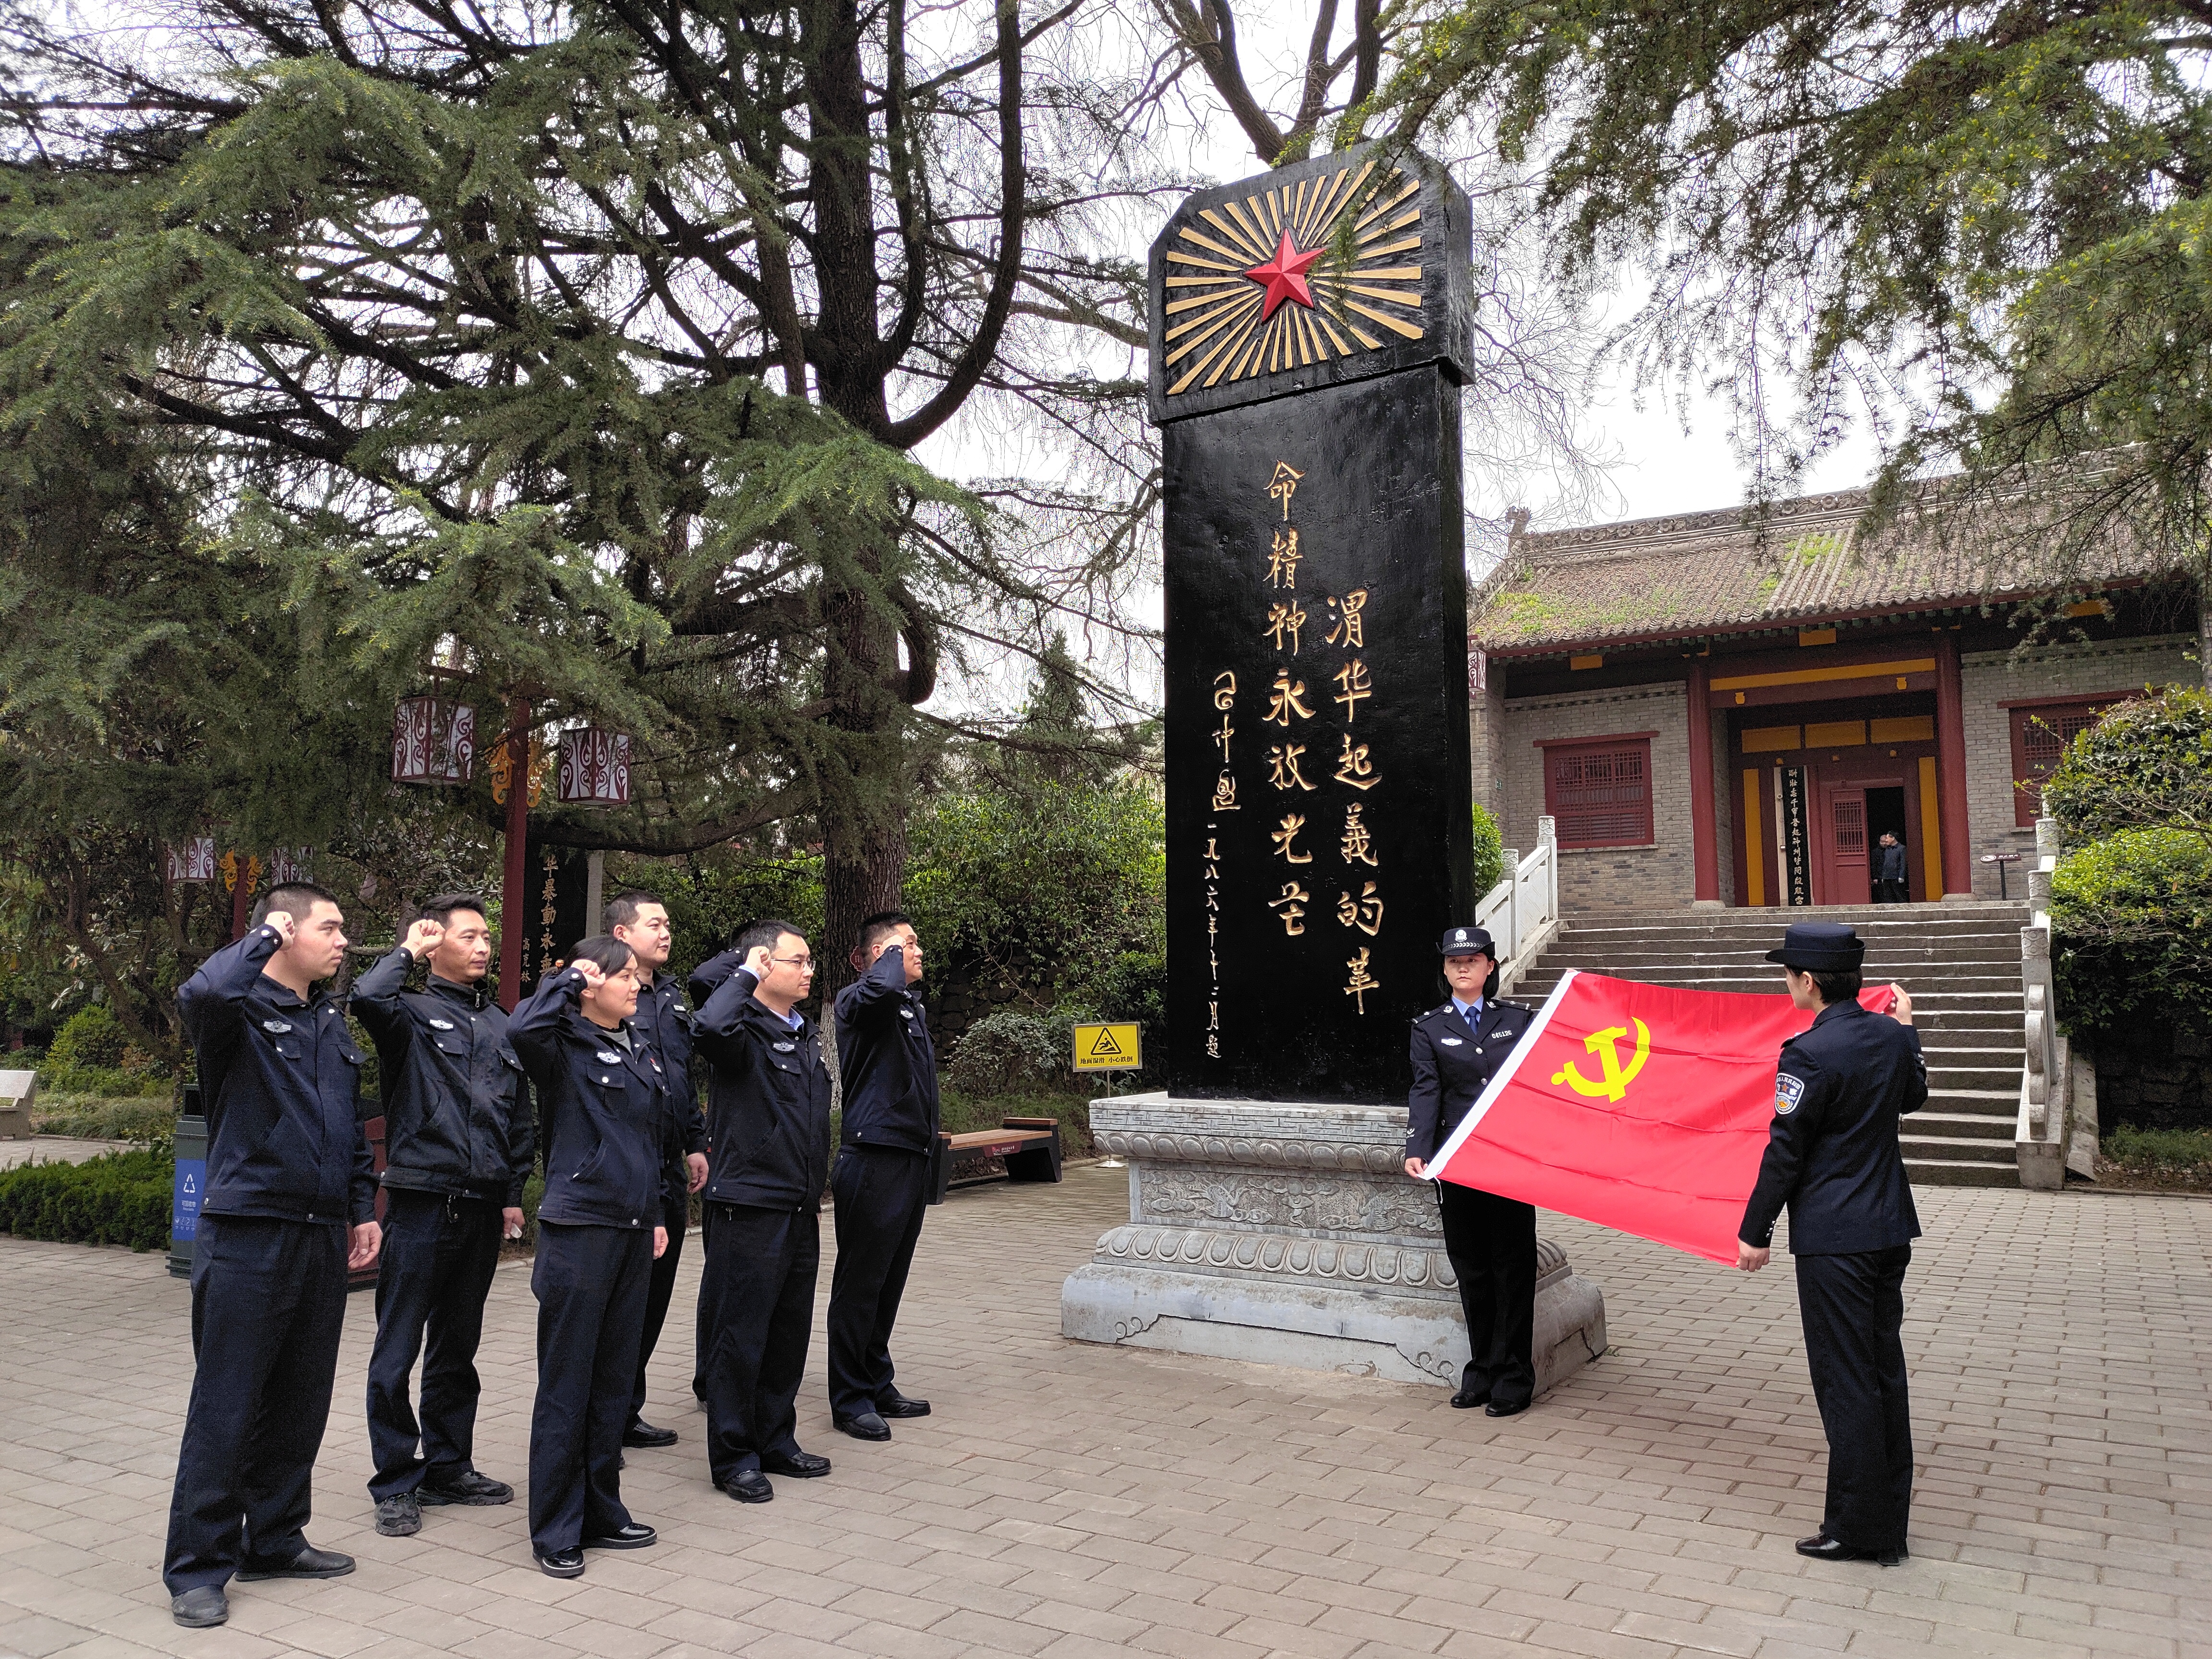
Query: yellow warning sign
[1108,1047]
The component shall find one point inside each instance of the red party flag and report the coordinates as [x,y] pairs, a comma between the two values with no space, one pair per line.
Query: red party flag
[1639,1106]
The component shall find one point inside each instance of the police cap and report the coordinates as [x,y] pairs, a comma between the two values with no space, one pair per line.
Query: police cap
[1820,947]
[1467,942]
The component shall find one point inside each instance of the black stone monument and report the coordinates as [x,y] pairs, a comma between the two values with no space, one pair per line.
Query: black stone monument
[1310,332]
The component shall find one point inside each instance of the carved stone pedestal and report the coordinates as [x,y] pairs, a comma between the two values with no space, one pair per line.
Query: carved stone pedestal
[1290,1235]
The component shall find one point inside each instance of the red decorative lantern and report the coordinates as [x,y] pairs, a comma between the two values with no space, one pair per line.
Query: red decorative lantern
[288,864]
[193,859]
[433,741]
[594,769]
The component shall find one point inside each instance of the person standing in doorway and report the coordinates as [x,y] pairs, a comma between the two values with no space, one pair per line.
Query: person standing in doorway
[1833,1159]
[1890,869]
[1490,1241]
[460,1141]
[664,1020]
[610,1171]
[289,1208]
[888,1069]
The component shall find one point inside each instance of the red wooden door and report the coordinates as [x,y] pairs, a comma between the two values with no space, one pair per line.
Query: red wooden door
[1844,847]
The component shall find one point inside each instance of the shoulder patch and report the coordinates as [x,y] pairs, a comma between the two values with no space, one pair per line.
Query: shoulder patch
[1787,1092]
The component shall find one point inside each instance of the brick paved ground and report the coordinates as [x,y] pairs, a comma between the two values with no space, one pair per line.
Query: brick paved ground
[1066,1501]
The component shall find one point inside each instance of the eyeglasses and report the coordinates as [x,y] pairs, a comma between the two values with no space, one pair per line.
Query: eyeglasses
[805,965]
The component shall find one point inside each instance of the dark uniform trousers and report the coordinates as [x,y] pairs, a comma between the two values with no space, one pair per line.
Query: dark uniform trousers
[881,1193]
[757,1296]
[1491,1244]
[1853,1307]
[659,1290]
[590,1284]
[433,1276]
[268,1304]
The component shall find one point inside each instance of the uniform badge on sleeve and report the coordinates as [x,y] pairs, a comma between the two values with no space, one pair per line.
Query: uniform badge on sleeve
[1787,1092]
[276,1027]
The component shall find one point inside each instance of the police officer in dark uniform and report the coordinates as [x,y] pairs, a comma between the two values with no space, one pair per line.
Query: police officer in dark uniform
[1832,1158]
[1491,1241]
[640,920]
[460,1141]
[769,1135]
[612,1161]
[288,1207]
[888,1069]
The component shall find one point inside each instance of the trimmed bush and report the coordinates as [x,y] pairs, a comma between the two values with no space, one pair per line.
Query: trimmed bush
[120,1198]
[91,1036]
[2129,914]
[1009,1051]
[1489,851]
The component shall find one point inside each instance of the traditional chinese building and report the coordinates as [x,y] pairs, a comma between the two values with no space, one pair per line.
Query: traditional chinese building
[1718,712]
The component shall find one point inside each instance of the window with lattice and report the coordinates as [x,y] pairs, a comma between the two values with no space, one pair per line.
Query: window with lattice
[2040,732]
[1599,793]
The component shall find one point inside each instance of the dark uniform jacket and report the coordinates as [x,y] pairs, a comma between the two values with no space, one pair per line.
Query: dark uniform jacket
[611,1149]
[1889,863]
[280,1080]
[1452,1065]
[456,1116]
[769,1118]
[1831,1152]
[666,1020]
[886,1060]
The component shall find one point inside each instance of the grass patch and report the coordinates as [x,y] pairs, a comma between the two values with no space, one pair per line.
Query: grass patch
[104,1117]
[2180,1158]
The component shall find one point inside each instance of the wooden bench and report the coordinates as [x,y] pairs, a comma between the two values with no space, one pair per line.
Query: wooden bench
[1028,1147]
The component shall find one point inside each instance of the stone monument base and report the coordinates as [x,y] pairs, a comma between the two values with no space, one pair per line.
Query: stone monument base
[1290,1235]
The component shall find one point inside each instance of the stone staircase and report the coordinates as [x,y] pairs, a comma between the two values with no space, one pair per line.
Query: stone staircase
[1959,961]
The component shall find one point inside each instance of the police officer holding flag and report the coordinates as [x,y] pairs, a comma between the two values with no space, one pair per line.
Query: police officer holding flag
[1833,1158]
[1491,1241]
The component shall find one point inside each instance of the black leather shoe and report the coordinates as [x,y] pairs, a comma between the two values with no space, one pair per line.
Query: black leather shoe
[1494,1409]
[398,1516]
[467,1488]
[748,1486]
[309,1563]
[899,1406]
[1467,1398]
[200,1607]
[642,1433]
[866,1426]
[561,1564]
[636,1537]
[799,1465]
[1821,1547]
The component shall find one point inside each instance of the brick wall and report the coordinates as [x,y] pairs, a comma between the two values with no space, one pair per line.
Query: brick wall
[1660,875]
[1988,678]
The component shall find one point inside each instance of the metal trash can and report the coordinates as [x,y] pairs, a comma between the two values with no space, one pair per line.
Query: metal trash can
[190,1185]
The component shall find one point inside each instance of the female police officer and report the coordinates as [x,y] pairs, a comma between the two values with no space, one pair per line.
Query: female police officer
[612,1162]
[1491,1241]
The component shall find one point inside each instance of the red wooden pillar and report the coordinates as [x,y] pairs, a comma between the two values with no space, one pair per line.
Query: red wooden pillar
[1705,836]
[242,901]
[1951,768]
[513,899]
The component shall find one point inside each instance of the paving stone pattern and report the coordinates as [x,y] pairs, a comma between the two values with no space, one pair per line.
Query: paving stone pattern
[1068,1500]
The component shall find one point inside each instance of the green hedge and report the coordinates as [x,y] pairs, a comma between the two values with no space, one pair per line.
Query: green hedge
[2131,914]
[120,1198]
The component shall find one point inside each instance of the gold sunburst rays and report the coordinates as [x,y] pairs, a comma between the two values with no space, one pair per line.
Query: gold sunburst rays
[1218,329]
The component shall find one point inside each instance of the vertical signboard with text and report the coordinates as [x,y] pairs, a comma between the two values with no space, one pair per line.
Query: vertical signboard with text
[1318,668]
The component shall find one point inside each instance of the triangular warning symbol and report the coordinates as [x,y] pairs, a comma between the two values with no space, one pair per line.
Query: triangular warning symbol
[190,1186]
[1103,1047]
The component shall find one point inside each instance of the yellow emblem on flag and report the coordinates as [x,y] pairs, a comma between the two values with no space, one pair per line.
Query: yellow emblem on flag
[1614,1084]
[1108,1047]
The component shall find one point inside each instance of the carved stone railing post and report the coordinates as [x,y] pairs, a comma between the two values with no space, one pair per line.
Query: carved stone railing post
[2040,1136]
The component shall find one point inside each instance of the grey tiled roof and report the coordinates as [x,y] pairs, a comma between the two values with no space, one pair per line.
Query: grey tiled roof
[1726,572]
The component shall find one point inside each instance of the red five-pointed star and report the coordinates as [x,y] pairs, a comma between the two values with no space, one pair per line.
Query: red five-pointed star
[1284,276]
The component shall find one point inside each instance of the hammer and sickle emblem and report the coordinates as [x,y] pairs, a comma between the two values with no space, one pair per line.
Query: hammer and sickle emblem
[1616,1078]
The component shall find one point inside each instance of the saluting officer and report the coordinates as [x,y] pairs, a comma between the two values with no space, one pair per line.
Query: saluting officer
[1491,1241]
[611,1168]
[459,1142]
[289,1207]
[1832,1158]
[768,1131]
[888,1069]
[640,920]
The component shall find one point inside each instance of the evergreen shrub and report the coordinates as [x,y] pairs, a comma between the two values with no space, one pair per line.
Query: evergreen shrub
[1489,851]
[2129,914]
[120,1198]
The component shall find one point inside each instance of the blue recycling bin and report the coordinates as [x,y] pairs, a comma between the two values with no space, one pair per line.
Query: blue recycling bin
[190,1185]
